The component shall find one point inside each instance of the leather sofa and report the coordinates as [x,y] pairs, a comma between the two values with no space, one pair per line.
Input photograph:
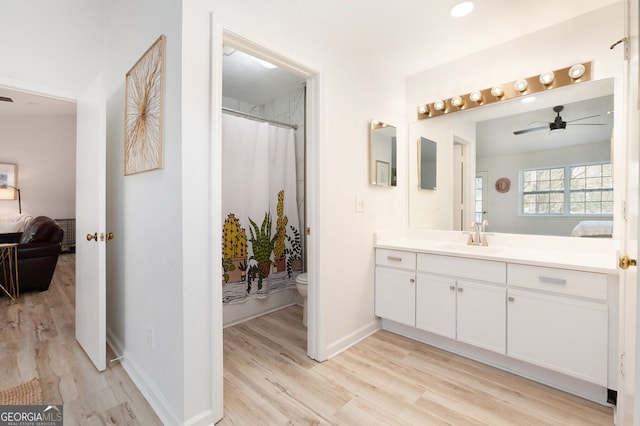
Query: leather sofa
[39,246]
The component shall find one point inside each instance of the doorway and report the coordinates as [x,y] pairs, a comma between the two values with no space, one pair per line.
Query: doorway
[315,338]
[263,185]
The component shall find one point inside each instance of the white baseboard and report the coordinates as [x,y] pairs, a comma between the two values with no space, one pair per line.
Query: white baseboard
[351,339]
[151,393]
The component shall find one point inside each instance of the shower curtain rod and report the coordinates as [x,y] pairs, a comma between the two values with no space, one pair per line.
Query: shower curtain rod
[255,117]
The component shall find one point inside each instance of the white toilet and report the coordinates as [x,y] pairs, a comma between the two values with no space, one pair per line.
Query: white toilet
[301,285]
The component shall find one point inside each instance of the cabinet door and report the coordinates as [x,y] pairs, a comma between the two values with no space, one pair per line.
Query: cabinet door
[396,295]
[482,315]
[436,304]
[559,333]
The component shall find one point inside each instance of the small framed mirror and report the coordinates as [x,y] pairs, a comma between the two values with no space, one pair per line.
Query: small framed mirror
[382,149]
[427,163]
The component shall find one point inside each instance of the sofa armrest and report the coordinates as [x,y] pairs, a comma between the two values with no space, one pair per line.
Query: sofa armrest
[32,250]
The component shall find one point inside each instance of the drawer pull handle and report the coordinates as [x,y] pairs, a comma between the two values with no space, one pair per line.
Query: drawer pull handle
[552,280]
[460,289]
[452,287]
[511,298]
[411,280]
[394,258]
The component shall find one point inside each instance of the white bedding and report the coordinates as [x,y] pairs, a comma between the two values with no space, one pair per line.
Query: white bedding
[15,223]
[593,228]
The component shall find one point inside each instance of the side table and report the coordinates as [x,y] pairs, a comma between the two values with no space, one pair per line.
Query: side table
[9,265]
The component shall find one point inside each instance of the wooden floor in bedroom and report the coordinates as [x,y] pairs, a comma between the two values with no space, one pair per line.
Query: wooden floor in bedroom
[37,339]
[385,379]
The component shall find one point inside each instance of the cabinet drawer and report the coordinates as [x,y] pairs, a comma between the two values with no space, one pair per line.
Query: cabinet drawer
[462,267]
[562,281]
[396,259]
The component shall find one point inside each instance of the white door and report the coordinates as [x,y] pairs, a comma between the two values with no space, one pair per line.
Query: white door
[436,304]
[395,295]
[481,319]
[90,223]
[628,406]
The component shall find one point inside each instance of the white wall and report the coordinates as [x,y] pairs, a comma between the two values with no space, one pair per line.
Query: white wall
[144,261]
[503,208]
[578,40]
[54,46]
[44,149]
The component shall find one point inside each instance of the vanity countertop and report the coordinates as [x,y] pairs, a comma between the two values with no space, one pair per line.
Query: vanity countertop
[554,252]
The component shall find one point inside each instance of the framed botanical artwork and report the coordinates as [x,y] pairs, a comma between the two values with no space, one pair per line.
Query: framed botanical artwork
[8,181]
[383,169]
[143,111]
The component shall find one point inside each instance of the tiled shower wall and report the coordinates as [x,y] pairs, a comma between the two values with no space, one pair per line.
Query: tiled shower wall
[288,108]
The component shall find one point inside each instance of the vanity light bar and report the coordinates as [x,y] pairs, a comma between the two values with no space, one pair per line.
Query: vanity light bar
[517,88]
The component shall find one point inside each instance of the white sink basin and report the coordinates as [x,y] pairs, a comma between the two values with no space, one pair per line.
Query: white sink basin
[465,248]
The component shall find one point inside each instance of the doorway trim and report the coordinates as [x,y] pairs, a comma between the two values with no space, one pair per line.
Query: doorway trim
[316,339]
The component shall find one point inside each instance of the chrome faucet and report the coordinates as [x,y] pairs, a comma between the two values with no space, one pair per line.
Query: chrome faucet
[477,235]
[474,234]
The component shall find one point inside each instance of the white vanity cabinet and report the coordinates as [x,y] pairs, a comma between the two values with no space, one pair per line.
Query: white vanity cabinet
[558,319]
[520,309]
[395,288]
[463,299]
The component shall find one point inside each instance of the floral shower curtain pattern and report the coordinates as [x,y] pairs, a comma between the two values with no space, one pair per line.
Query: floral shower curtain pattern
[261,251]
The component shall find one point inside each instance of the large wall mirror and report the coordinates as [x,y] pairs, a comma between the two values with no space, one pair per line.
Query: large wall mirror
[383,154]
[561,182]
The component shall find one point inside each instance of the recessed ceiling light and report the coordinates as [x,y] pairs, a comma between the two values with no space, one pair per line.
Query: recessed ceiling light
[267,64]
[528,99]
[462,9]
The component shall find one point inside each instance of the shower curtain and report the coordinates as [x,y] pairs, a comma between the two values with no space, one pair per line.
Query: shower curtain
[261,250]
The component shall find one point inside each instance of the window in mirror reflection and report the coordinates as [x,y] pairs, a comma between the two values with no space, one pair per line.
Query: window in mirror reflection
[382,147]
[480,198]
[427,167]
[585,189]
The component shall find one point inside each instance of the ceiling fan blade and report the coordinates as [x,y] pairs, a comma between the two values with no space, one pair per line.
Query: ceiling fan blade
[533,129]
[583,118]
[588,124]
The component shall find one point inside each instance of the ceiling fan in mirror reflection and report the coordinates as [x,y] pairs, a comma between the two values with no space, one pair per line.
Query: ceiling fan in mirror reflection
[558,124]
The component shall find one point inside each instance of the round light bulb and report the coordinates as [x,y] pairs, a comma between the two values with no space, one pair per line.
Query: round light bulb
[462,9]
[475,96]
[438,105]
[423,109]
[497,91]
[576,71]
[456,101]
[546,78]
[520,85]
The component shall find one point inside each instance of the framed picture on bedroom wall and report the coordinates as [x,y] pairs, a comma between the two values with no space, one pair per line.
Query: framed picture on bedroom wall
[8,179]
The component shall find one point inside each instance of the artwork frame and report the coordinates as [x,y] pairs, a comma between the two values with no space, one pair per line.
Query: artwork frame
[144,111]
[9,177]
[383,175]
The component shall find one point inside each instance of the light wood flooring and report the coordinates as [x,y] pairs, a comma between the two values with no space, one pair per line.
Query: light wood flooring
[268,378]
[385,379]
[37,339]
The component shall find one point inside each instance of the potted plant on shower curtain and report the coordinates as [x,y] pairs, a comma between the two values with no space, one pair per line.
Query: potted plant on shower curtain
[234,255]
[294,261]
[281,233]
[262,243]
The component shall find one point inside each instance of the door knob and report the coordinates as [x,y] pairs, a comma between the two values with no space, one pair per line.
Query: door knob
[625,261]
[92,237]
